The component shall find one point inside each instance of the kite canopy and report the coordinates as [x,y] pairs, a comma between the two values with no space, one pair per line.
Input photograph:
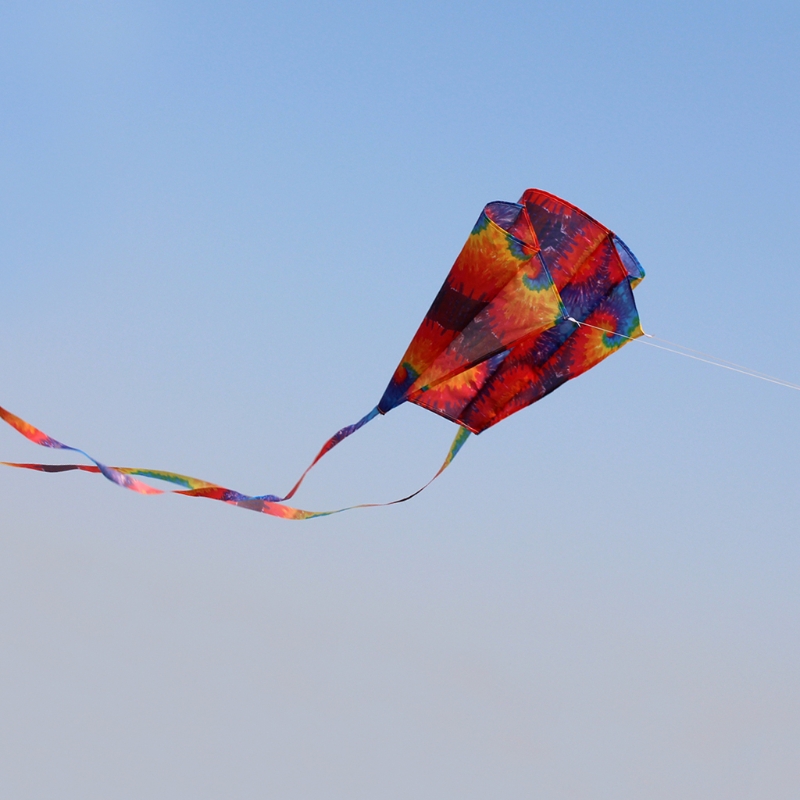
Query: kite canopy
[505,328]
[540,293]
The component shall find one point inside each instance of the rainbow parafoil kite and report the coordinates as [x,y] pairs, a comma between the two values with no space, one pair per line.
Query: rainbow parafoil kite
[540,293]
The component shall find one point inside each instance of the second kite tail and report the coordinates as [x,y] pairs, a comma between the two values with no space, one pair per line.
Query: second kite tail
[275,509]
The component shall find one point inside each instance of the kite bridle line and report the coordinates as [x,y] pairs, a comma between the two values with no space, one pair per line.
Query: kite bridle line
[695,355]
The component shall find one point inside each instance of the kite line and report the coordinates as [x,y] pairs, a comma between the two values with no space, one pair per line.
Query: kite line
[695,355]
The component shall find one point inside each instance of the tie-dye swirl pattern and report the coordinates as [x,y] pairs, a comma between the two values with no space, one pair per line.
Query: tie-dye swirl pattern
[505,331]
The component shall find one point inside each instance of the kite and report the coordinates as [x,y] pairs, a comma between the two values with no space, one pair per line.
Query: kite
[540,293]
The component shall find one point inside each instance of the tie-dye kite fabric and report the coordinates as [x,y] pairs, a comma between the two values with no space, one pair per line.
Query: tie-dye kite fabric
[540,293]
[506,328]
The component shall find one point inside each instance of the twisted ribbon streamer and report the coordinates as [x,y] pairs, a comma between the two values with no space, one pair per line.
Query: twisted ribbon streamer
[194,487]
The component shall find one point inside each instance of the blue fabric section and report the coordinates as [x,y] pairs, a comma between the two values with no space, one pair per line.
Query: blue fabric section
[503,214]
[395,393]
[629,260]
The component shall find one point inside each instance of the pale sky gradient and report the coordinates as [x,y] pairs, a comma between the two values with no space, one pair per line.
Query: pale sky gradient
[221,224]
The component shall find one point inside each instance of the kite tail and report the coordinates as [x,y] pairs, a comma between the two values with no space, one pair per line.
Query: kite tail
[274,509]
[194,487]
[41,438]
[326,448]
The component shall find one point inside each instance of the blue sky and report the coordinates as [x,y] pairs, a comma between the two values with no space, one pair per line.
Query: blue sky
[221,224]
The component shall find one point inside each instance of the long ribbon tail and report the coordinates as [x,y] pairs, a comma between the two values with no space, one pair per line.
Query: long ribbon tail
[121,476]
[41,438]
[194,487]
[326,448]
